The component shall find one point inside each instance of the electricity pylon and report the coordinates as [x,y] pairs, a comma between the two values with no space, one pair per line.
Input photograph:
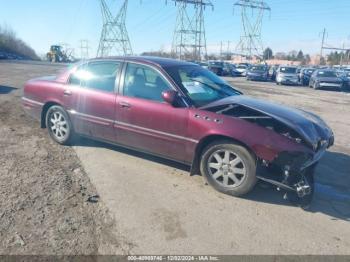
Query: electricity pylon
[252,13]
[84,49]
[189,41]
[114,37]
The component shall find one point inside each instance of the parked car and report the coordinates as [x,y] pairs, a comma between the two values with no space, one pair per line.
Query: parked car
[273,72]
[233,71]
[326,78]
[304,76]
[287,75]
[347,79]
[230,70]
[221,68]
[203,64]
[3,55]
[183,112]
[200,63]
[217,67]
[242,69]
[258,73]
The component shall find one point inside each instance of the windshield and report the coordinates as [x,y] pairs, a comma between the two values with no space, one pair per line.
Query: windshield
[326,74]
[200,85]
[258,68]
[309,71]
[241,67]
[288,70]
[215,63]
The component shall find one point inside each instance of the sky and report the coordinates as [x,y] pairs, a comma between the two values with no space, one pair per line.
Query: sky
[291,25]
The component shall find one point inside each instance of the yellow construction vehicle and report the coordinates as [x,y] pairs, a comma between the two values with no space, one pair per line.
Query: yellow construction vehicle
[58,55]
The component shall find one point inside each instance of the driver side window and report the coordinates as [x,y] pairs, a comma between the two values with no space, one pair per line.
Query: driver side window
[144,82]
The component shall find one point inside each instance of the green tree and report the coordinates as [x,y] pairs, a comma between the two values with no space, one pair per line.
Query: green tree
[335,57]
[306,60]
[300,56]
[268,54]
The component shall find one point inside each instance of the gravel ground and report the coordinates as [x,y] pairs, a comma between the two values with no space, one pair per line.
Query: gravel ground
[49,205]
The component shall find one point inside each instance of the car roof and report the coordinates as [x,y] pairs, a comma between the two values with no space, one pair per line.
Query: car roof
[158,61]
[291,66]
[327,70]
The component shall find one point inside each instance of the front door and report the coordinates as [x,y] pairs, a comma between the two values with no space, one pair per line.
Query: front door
[144,121]
[91,99]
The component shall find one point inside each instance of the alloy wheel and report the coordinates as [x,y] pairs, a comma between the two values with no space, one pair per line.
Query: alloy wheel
[58,125]
[226,168]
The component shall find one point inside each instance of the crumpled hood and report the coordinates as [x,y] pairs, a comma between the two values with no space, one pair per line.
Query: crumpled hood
[308,125]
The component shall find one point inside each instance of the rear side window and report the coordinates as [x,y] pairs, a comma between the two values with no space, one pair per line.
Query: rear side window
[102,75]
[97,75]
[76,77]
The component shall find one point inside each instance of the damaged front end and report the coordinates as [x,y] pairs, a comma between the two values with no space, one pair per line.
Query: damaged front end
[290,170]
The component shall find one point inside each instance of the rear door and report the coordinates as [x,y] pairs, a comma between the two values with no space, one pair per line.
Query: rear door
[91,98]
[144,120]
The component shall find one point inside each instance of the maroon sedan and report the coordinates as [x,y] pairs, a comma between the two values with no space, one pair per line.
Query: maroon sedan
[180,111]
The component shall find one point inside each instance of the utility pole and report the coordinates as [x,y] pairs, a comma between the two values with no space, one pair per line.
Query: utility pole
[221,50]
[114,36]
[322,45]
[84,49]
[228,48]
[342,54]
[189,41]
[252,13]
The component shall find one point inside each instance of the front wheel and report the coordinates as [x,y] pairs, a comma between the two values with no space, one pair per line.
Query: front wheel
[59,125]
[229,168]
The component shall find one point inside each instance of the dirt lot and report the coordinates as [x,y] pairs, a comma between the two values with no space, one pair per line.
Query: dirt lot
[44,207]
[152,206]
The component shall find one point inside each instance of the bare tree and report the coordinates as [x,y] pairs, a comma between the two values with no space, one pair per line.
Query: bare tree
[11,44]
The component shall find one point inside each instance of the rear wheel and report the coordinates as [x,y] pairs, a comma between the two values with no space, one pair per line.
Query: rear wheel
[59,125]
[229,168]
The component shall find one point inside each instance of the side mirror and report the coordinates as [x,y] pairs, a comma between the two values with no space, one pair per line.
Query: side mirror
[169,96]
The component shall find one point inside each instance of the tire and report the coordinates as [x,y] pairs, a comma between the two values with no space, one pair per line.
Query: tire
[59,125]
[236,173]
[315,86]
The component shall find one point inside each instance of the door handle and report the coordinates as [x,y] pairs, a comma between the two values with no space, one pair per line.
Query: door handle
[67,93]
[124,105]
